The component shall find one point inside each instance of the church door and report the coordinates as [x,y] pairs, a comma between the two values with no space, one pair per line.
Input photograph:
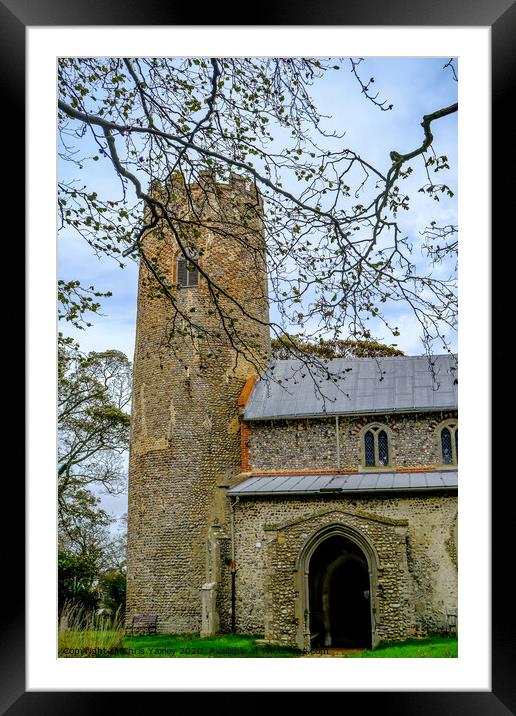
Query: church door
[339,595]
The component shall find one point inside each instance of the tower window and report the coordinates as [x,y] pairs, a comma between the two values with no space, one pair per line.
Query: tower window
[187,273]
[449,442]
[376,446]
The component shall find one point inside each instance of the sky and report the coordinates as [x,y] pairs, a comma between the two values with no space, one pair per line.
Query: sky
[415,87]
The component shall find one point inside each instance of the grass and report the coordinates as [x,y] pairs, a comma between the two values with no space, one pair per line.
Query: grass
[189,646]
[84,634]
[436,647]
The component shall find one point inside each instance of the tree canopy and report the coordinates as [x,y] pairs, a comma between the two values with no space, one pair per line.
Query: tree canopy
[93,396]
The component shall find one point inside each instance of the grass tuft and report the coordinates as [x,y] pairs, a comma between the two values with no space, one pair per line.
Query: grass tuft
[86,634]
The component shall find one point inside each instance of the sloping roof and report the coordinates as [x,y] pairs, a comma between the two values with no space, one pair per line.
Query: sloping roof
[356,385]
[302,484]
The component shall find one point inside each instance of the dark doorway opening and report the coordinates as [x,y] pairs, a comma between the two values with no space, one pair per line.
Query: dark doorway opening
[339,595]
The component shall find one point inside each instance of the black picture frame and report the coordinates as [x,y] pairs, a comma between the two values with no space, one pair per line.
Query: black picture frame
[500,16]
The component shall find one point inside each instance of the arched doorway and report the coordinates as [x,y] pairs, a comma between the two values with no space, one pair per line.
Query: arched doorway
[339,594]
[340,563]
[336,574]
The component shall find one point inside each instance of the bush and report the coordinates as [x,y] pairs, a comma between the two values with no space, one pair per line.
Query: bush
[77,581]
[112,586]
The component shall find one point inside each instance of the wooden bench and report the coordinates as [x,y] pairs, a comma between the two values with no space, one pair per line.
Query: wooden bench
[149,622]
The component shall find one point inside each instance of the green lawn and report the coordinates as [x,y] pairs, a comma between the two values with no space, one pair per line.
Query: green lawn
[189,646]
[437,647]
[167,646]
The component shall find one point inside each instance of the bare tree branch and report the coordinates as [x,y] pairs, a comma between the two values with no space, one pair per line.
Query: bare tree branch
[324,218]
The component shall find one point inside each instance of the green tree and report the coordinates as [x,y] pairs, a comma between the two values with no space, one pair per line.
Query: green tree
[93,433]
[92,564]
[337,254]
[77,580]
[93,423]
[112,585]
[113,578]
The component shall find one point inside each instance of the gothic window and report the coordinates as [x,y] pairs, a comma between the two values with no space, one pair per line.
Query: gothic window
[369,448]
[376,446]
[448,433]
[187,273]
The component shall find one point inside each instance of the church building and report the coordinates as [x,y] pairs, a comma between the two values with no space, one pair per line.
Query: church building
[313,507]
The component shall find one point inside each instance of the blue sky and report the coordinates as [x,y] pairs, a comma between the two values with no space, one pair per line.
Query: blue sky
[415,86]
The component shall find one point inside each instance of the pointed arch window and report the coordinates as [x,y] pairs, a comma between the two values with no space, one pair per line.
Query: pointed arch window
[448,434]
[376,446]
[187,273]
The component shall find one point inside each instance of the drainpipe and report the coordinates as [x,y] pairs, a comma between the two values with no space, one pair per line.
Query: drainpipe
[233,564]
[338,441]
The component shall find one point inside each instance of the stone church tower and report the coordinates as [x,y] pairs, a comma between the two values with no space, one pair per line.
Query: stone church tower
[188,374]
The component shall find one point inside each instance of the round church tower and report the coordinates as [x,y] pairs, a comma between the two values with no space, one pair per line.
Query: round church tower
[195,349]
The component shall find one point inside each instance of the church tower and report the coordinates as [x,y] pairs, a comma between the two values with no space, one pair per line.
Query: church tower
[196,346]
